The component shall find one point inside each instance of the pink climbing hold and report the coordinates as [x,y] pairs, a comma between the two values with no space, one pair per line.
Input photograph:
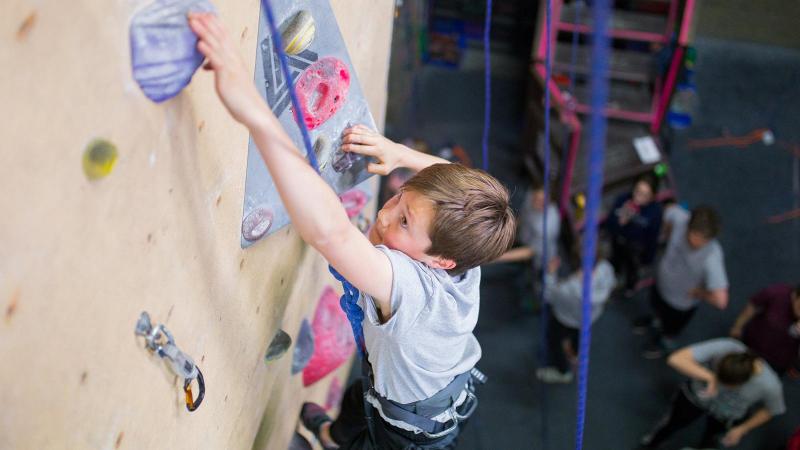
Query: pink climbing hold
[322,89]
[334,397]
[353,201]
[333,338]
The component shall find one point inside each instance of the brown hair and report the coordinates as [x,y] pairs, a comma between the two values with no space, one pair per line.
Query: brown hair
[735,369]
[705,221]
[473,222]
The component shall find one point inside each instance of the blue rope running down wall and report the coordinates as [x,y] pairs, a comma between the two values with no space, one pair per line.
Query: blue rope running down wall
[287,75]
[487,82]
[545,259]
[597,136]
[349,299]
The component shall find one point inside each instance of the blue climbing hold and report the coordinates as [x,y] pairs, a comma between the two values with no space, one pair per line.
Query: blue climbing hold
[164,52]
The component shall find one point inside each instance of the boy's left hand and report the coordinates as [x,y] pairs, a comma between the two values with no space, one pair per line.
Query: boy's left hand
[733,436]
[233,82]
[364,141]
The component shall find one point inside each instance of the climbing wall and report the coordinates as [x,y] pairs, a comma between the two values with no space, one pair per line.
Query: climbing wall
[113,205]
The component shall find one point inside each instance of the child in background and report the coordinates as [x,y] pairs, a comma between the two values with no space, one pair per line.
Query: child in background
[417,270]
[634,224]
[564,322]
[530,234]
[732,388]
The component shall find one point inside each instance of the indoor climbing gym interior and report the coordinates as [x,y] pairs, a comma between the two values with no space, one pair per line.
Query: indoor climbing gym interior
[400,225]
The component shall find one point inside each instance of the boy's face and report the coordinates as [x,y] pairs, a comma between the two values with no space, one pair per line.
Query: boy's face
[403,223]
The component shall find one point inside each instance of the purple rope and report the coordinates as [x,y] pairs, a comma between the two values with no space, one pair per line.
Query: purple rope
[301,120]
[597,136]
[546,185]
[487,81]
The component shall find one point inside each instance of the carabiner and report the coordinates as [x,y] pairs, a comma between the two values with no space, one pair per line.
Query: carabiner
[194,403]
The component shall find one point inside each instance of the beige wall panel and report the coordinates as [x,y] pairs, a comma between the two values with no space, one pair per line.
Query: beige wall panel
[79,259]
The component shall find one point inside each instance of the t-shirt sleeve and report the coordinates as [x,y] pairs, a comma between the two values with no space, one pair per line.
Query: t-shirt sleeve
[765,296]
[716,277]
[675,214]
[773,398]
[707,351]
[409,285]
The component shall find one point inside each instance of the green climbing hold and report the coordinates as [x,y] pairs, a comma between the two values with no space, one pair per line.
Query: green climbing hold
[99,159]
[660,169]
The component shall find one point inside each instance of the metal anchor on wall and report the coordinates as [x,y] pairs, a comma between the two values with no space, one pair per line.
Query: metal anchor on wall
[160,341]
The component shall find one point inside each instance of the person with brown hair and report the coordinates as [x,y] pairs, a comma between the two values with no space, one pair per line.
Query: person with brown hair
[735,391]
[417,271]
[692,270]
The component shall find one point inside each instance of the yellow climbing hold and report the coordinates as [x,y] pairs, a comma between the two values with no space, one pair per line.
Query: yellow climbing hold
[99,159]
[298,33]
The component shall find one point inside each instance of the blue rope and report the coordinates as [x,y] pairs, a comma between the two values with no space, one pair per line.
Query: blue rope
[349,304]
[546,185]
[301,122]
[599,89]
[349,299]
[487,81]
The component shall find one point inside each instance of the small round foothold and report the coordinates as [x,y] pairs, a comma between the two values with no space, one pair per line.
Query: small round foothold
[257,223]
[99,159]
[298,32]
[280,343]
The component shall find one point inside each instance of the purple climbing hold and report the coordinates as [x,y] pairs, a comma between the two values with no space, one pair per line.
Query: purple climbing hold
[257,223]
[303,348]
[164,52]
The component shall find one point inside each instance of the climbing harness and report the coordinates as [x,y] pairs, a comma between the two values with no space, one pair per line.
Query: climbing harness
[160,341]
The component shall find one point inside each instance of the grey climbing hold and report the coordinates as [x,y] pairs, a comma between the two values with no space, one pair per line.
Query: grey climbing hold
[280,343]
[257,223]
[164,53]
[298,32]
[298,442]
[303,348]
[322,148]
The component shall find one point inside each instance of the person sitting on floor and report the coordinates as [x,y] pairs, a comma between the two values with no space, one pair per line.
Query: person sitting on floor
[634,224]
[692,270]
[735,390]
[565,298]
[770,326]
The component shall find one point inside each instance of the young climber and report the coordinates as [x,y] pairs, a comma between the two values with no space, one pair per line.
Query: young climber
[732,388]
[770,326]
[564,322]
[417,270]
[692,270]
[634,224]
[529,234]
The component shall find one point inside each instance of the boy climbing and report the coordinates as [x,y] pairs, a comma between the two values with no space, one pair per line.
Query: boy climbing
[417,270]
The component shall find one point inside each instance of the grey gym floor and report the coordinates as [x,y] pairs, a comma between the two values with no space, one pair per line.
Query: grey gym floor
[741,87]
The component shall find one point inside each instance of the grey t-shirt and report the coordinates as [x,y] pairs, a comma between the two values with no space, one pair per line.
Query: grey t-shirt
[531,229]
[683,268]
[565,295]
[428,340]
[762,389]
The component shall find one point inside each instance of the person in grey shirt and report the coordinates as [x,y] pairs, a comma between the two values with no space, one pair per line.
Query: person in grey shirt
[565,297]
[530,237]
[726,382]
[691,271]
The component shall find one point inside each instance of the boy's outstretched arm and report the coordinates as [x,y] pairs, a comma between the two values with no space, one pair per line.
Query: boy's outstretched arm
[390,155]
[315,210]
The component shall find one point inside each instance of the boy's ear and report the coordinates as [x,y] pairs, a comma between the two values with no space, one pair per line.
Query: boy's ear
[442,263]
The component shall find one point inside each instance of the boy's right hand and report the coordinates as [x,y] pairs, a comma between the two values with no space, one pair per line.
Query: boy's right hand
[364,141]
[233,82]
